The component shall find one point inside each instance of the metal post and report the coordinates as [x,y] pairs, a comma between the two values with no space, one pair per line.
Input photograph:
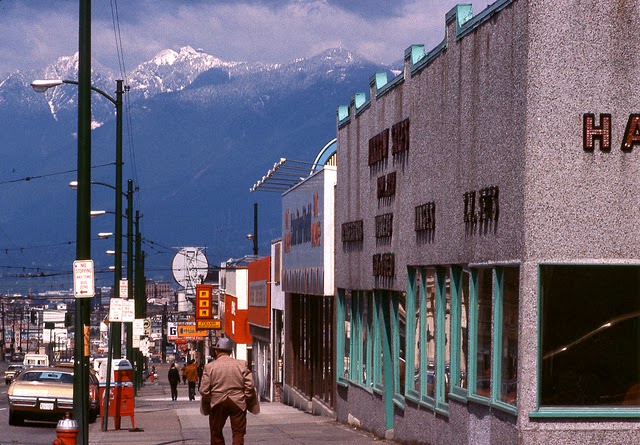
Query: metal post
[130,281]
[139,295]
[116,330]
[83,220]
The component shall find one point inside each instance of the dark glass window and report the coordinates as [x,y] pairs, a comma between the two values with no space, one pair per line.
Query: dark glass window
[483,335]
[590,323]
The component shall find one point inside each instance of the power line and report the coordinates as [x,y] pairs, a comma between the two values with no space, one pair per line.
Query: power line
[47,175]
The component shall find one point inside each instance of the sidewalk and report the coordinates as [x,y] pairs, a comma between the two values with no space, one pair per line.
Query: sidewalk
[162,421]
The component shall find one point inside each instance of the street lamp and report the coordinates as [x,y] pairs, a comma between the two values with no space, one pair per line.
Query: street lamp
[83,218]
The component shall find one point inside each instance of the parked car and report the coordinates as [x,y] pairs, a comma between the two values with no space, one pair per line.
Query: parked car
[12,372]
[46,393]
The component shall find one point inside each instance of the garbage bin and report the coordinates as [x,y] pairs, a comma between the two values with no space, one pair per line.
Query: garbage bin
[121,393]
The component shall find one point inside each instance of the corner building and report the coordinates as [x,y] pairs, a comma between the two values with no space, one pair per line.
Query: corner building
[487,248]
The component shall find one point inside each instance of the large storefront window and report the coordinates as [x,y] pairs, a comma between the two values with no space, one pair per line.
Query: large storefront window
[590,339]
[509,360]
[464,330]
[445,340]
[344,336]
[399,341]
[483,310]
[430,336]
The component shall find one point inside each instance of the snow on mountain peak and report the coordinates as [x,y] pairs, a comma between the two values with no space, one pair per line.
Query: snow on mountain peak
[165,57]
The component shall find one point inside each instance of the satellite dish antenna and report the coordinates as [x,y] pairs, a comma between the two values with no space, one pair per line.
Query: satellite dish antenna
[190,267]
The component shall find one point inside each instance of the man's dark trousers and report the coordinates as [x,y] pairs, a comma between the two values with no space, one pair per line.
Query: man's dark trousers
[218,418]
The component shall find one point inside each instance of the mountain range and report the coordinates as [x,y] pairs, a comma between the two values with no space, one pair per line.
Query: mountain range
[199,131]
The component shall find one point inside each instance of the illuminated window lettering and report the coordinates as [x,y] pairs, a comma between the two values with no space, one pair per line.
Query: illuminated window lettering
[384,225]
[632,133]
[379,147]
[383,265]
[425,217]
[387,185]
[602,132]
[400,137]
[352,231]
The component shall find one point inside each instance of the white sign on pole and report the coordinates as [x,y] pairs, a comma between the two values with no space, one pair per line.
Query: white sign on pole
[128,311]
[135,342]
[138,327]
[115,309]
[124,288]
[83,279]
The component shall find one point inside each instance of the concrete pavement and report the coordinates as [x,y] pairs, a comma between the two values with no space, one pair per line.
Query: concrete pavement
[159,421]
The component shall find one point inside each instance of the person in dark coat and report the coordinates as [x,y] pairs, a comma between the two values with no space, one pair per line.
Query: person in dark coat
[174,380]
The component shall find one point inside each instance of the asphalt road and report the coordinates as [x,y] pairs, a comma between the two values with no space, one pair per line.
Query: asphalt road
[36,433]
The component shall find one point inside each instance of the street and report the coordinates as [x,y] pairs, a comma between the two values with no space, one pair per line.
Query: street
[158,420]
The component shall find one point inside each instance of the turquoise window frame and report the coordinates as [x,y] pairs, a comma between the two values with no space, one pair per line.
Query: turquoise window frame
[378,336]
[340,343]
[543,412]
[473,339]
[398,397]
[410,391]
[496,363]
[441,405]
[457,392]
[370,339]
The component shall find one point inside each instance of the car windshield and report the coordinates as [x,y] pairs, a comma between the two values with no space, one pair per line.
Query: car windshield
[46,376]
[14,367]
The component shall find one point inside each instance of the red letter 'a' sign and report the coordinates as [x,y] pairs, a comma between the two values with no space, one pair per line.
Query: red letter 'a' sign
[601,132]
[632,133]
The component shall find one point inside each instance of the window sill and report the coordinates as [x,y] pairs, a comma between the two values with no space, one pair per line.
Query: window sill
[505,407]
[459,395]
[479,400]
[398,400]
[576,413]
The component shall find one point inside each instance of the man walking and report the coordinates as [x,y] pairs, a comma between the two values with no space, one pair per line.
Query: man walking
[174,379]
[191,371]
[228,383]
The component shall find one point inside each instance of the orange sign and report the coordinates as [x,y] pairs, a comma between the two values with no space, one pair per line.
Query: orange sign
[187,330]
[209,324]
[203,301]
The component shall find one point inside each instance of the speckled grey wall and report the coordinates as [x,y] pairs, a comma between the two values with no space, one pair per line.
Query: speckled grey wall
[503,107]
[467,118]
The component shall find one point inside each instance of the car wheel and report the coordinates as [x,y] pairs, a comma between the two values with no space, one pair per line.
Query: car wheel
[15,419]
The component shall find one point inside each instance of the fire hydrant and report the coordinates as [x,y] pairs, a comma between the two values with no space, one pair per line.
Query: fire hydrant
[67,431]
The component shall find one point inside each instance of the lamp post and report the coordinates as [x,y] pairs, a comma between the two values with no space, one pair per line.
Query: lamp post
[83,218]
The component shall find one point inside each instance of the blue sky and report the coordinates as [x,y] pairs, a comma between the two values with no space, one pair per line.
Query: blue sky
[34,33]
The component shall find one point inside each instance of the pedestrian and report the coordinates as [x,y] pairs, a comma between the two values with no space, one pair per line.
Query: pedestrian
[200,371]
[184,376]
[191,371]
[227,385]
[174,380]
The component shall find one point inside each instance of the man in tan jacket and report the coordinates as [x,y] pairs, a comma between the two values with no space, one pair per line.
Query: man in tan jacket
[228,383]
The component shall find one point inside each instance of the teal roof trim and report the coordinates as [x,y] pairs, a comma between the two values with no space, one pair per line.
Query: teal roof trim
[390,85]
[467,23]
[419,59]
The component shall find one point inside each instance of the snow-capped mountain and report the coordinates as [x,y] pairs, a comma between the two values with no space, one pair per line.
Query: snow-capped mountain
[199,131]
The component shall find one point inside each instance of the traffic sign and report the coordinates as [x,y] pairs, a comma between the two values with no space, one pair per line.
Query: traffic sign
[83,279]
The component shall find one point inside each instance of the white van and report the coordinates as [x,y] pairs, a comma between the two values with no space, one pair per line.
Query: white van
[31,360]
